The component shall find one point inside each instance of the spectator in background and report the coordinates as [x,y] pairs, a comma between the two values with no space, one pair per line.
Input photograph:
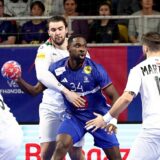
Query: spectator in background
[78,26]
[35,31]
[156,5]
[53,7]
[17,8]
[88,7]
[8,29]
[135,29]
[127,7]
[105,30]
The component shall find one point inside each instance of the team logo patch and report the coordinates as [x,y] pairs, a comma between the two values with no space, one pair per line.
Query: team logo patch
[87,69]
[40,56]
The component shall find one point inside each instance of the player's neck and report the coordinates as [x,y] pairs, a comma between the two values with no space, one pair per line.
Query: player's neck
[153,54]
[74,65]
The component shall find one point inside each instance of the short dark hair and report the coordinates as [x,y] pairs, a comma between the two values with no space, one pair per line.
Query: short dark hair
[58,19]
[39,4]
[70,39]
[152,40]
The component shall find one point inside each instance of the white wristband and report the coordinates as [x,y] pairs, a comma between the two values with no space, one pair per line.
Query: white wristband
[107,117]
[113,121]
[60,87]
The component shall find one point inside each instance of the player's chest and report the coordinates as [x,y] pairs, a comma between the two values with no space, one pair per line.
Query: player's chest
[78,81]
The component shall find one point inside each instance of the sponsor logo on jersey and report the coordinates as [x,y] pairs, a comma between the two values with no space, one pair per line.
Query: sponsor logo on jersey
[87,69]
[54,54]
[40,56]
[86,80]
[59,71]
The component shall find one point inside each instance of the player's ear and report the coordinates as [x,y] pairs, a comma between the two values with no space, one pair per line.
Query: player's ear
[145,49]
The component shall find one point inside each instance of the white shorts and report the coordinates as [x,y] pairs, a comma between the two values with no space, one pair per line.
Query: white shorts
[10,143]
[146,146]
[49,125]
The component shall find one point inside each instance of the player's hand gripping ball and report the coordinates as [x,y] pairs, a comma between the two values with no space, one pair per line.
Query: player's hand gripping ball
[11,70]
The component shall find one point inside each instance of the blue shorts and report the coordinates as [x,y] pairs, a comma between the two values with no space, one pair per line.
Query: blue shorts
[75,128]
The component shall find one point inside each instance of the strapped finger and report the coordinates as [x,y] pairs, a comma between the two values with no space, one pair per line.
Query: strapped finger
[94,129]
[89,127]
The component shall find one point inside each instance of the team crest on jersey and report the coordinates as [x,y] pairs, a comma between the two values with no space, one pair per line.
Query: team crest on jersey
[87,69]
[40,56]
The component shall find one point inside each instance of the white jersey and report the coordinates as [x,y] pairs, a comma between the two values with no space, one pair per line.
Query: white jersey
[11,135]
[46,55]
[145,78]
[6,118]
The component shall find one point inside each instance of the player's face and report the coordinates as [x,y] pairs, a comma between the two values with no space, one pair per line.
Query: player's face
[57,32]
[78,49]
[147,3]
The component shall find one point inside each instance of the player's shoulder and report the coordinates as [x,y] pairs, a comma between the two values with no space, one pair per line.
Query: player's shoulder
[93,64]
[60,63]
[47,46]
[58,66]
[142,64]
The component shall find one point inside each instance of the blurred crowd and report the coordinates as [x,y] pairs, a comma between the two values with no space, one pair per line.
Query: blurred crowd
[34,31]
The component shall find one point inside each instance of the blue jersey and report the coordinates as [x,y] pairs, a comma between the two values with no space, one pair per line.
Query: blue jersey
[7,29]
[34,33]
[88,82]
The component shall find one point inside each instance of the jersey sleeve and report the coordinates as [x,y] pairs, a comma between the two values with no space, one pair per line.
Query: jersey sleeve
[134,81]
[102,77]
[42,63]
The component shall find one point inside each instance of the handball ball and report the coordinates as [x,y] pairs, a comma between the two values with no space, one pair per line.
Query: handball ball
[11,70]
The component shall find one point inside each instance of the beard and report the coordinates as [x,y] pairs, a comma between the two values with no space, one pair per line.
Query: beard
[58,40]
[79,60]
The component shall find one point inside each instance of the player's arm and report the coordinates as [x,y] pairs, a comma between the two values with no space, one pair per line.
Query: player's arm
[52,83]
[42,64]
[30,89]
[98,122]
[111,92]
[121,104]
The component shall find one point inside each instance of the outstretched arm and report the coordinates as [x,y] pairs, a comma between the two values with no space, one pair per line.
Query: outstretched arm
[30,89]
[120,105]
[42,62]
[52,83]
